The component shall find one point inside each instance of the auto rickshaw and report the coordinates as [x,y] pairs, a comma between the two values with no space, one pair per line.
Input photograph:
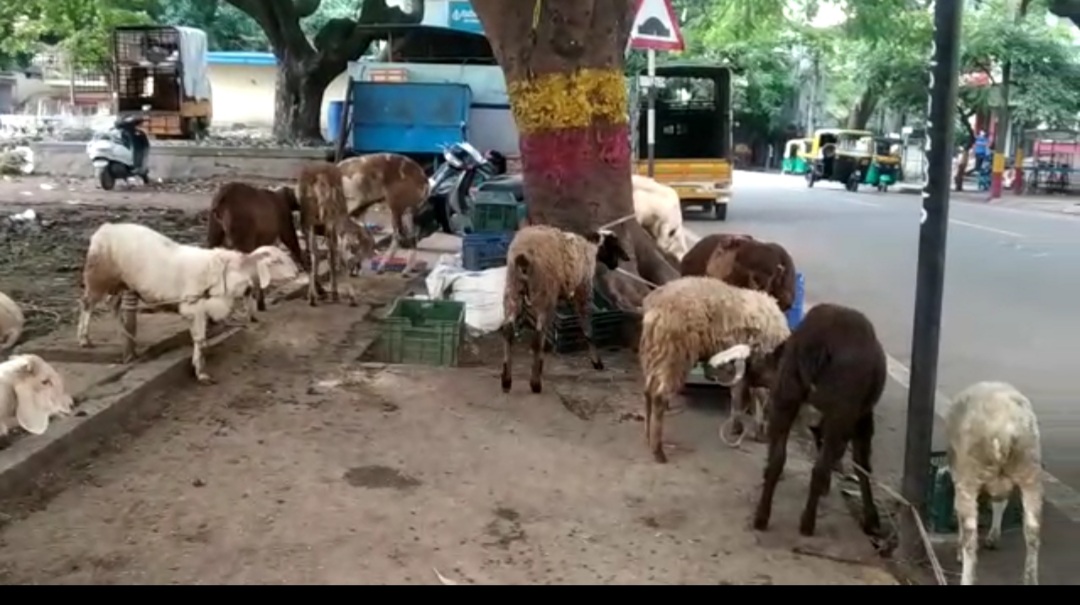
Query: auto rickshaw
[795,157]
[885,166]
[840,156]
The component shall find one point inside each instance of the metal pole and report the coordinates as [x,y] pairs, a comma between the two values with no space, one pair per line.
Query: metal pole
[651,127]
[930,280]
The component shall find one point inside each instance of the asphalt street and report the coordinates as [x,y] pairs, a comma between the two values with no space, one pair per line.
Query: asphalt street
[1011,308]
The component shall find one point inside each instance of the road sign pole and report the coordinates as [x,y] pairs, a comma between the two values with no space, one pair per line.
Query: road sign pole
[650,133]
[930,279]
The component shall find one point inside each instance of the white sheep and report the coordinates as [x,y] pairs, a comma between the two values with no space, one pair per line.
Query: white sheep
[993,437]
[544,265]
[694,318]
[200,283]
[658,209]
[11,322]
[31,392]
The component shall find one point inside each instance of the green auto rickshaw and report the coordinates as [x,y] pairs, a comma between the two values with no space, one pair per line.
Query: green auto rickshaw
[796,152]
[884,169]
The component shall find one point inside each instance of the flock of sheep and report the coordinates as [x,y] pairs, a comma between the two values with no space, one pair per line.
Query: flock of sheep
[727,310]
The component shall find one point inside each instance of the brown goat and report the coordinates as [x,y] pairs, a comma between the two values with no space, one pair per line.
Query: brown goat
[745,262]
[395,180]
[244,217]
[322,204]
[834,362]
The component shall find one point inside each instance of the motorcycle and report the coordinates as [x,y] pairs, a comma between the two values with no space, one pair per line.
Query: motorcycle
[449,201]
[120,152]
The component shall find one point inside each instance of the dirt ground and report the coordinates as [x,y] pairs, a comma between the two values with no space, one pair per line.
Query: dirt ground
[303,465]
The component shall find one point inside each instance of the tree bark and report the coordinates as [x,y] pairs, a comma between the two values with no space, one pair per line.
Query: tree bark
[860,114]
[298,103]
[564,74]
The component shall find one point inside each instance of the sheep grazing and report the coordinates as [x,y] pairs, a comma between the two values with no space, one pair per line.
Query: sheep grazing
[322,205]
[834,362]
[994,444]
[11,322]
[657,208]
[692,319]
[244,218]
[395,180]
[742,261]
[31,392]
[544,265]
[132,262]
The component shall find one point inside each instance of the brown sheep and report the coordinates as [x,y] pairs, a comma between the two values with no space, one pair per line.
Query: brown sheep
[395,180]
[322,204]
[544,265]
[244,217]
[834,362]
[742,261]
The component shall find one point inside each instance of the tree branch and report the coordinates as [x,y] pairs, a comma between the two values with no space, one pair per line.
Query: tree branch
[344,40]
[280,19]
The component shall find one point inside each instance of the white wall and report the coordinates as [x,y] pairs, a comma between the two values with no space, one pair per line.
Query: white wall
[244,94]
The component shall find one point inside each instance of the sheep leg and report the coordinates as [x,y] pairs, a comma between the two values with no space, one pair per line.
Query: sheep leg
[535,379]
[251,304]
[821,477]
[508,332]
[260,298]
[86,313]
[332,251]
[409,262]
[967,515]
[860,452]
[785,412]
[1031,495]
[583,302]
[655,423]
[198,339]
[129,315]
[389,255]
[313,278]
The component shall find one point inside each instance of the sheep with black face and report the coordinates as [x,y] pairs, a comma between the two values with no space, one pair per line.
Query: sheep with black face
[544,265]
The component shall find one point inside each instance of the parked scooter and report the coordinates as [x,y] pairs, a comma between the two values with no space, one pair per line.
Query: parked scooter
[121,152]
[449,202]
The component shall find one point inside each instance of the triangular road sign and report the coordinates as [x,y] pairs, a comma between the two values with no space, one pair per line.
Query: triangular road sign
[655,27]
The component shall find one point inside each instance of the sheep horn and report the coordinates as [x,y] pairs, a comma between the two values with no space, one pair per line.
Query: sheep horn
[737,354]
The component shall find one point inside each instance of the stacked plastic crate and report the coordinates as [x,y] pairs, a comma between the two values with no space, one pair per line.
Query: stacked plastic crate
[495,218]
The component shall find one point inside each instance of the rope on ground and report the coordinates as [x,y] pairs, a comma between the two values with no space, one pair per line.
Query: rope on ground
[728,427]
[939,572]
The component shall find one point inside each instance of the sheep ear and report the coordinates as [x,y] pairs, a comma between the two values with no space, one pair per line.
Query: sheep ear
[31,415]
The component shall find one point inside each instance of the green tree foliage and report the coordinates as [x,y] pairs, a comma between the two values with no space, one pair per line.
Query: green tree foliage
[80,27]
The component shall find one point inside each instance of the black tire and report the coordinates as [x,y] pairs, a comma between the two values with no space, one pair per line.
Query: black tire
[106,179]
[720,212]
[810,180]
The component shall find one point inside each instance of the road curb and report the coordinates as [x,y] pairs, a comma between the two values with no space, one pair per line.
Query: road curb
[104,404]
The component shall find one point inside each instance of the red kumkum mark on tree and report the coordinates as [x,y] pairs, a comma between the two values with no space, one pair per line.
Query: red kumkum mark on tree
[563,157]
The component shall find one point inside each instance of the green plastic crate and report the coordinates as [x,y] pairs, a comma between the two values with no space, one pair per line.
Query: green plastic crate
[564,333]
[496,211]
[940,511]
[427,332]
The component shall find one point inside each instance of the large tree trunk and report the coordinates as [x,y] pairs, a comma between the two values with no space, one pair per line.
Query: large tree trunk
[863,109]
[298,103]
[564,74]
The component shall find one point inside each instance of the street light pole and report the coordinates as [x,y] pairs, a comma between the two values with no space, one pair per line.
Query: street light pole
[930,279]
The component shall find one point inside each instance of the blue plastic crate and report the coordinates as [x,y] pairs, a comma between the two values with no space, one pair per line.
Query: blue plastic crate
[481,251]
[795,313]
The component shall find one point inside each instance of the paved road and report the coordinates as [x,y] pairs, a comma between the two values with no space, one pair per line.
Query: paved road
[1012,298]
